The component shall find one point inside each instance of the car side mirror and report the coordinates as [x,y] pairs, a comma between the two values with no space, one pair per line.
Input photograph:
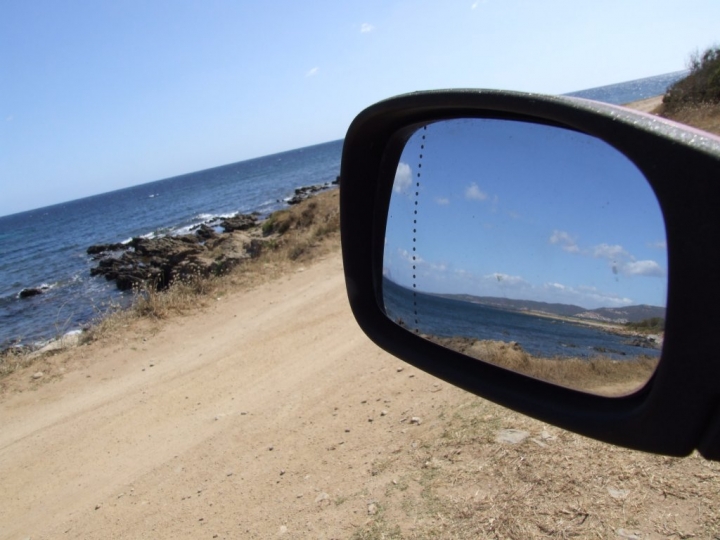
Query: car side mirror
[554,255]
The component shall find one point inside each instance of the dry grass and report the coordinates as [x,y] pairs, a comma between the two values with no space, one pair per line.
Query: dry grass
[457,481]
[599,375]
[13,359]
[702,116]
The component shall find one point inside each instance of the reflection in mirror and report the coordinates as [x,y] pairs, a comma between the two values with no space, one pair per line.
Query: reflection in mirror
[530,246]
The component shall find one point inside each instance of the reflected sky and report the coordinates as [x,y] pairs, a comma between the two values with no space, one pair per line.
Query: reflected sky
[525,211]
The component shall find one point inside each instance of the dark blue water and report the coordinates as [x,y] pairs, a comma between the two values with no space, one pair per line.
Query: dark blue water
[47,246]
[540,336]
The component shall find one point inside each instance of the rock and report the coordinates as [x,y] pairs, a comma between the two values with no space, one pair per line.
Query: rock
[372,509]
[416,420]
[323,499]
[511,436]
[156,262]
[306,192]
[38,375]
[204,232]
[32,291]
[96,249]
[336,182]
[239,222]
[618,493]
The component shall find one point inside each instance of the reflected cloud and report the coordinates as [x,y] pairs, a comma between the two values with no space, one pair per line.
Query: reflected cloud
[403,178]
[660,244]
[619,259]
[473,193]
[643,268]
[566,241]
[584,296]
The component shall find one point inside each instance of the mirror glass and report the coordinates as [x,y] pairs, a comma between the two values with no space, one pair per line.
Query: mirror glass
[529,246]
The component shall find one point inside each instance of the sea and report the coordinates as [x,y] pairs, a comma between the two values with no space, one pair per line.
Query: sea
[46,248]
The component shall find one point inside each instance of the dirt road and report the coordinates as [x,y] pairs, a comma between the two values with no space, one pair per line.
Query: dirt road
[221,423]
[270,414]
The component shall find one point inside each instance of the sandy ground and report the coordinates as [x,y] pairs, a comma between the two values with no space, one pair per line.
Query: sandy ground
[235,422]
[270,414]
[646,105]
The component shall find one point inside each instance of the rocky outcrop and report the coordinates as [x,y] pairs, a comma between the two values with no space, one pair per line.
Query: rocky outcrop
[157,262]
[97,249]
[240,222]
[306,192]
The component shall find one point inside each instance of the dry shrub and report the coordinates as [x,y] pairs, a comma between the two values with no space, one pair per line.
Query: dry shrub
[13,359]
[183,294]
[701,85]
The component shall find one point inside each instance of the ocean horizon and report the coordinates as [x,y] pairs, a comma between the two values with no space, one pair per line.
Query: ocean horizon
[45,248]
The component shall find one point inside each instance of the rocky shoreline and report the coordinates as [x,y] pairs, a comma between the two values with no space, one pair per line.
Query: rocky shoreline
[213,248]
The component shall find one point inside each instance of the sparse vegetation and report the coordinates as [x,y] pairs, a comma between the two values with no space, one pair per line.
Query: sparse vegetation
[465,484]
[695,100]
[650,326]
[599,375]
[14,358]
[701,86]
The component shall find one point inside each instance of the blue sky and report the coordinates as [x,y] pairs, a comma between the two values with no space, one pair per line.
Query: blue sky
[524,211]
[96,96]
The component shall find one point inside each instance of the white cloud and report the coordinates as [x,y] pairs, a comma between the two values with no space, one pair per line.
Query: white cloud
[442,201]
[366,28]
[475,5]
[403,178]
[643,268]
[473,193]
[566,241]
[312,72]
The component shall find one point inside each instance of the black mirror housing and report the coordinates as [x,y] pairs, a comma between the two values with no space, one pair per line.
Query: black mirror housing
[677,411]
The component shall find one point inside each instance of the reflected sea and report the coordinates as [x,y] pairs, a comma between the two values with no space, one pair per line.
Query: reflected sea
[540,336]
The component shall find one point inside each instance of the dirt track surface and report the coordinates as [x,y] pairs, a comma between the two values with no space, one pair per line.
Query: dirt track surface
[218,424]
[270,414]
